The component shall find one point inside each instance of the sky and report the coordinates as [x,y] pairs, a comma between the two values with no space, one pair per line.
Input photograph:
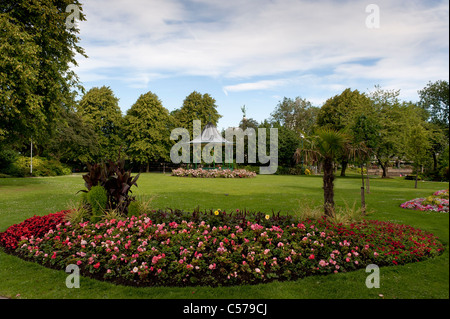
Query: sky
[256,52]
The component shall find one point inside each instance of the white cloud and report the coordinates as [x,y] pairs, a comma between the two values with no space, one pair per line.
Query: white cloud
[239,41]
[251,86]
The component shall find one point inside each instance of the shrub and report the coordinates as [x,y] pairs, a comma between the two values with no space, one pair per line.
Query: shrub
[41,167]
[117,182]
[97,199]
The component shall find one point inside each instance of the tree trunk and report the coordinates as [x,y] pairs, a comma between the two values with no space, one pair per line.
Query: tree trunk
[417,174]
[147,169]
[368,180]
[328,191]
[435,163]
[344,164]
[384,168]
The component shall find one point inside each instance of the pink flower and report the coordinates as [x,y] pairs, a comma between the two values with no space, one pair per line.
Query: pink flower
[97,265]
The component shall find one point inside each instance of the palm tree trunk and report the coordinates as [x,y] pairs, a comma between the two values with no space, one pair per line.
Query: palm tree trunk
[328,191]
[344,164]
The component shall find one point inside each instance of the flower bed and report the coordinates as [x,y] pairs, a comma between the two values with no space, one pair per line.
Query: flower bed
[438,202]
[36,226]
[165,248]
[213,173]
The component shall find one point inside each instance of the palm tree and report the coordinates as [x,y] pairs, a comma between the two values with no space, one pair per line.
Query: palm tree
[324,146]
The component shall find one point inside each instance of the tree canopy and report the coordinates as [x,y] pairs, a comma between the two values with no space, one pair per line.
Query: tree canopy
[196,106]
[99,107]
[36,78]
[147,126]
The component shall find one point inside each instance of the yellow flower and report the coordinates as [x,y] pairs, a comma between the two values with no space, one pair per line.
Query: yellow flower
[216,212]
[267,216]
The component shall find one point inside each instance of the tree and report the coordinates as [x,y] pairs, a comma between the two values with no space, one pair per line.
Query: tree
[196,106]
[364,131]
[434,98]
[298,115]
[325,146]
[417,144]
[36,79]
[74,140]
[392,118]
[340,112]
[147,127]
[99,108]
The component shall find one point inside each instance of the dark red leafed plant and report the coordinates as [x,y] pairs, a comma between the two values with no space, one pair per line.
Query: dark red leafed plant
[116,180]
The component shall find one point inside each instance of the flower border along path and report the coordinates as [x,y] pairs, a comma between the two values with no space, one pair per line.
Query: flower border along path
[150,250]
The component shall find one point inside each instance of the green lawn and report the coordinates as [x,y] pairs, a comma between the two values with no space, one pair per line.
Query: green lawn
[23,198]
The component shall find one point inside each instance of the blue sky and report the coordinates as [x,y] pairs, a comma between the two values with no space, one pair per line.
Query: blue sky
[256,52]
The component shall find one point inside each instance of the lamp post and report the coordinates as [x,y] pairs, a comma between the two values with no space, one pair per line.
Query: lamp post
[302,137]
[31,160]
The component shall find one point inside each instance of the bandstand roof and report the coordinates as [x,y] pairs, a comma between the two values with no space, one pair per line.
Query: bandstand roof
[210,135]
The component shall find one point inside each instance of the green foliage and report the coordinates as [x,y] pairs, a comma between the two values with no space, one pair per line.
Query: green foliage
[340,111]
[7,158]
[147,128]
[298,115]
[288,142]
[434,98]
[392,118]
[196,106]
[134,208]
[74,140]
[97,199]
[99,108]
[37,79]
[41,167]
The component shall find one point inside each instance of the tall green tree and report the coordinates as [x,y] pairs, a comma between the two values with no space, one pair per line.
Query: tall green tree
[387,108]
[74,141]
[394,118]
[434,98]
[196,106]
[340,112]
[417,144]
[296,114]
[36,77]
[147,127]
[99,107]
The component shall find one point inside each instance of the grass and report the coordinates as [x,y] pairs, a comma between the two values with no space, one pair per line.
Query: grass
[23,198]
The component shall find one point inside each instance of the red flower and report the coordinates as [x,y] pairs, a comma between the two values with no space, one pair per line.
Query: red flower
[97,265]
[311,256]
